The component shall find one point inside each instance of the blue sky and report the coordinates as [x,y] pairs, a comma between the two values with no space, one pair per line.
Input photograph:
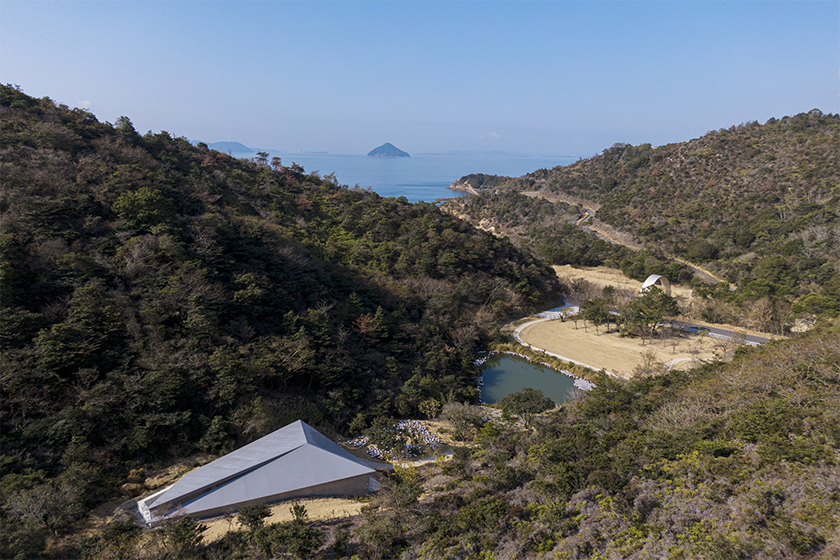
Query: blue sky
[548,78]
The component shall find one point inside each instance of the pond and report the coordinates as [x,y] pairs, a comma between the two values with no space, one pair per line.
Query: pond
[505,374]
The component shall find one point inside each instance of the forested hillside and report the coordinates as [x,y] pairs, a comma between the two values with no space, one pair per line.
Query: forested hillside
[758,204]
[160,299]
[728,461]
[550,230]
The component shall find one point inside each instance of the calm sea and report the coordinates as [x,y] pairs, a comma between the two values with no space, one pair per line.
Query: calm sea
[419,177]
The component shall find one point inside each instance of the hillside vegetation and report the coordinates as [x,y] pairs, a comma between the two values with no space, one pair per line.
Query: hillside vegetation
[728,461]
[160,299]
[758,204]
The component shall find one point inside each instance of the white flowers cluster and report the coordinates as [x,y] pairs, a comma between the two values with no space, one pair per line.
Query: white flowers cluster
[417,440]
[377,453]
[419,433]
[360,441]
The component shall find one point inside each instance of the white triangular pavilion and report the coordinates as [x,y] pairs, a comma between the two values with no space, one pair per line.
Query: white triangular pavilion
[292,462]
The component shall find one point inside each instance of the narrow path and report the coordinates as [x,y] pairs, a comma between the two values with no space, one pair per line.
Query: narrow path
[699,269]
[671,363]
[590,208]
[588,214]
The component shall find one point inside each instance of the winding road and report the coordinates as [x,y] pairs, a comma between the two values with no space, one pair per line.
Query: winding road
[590,209]
[716,332]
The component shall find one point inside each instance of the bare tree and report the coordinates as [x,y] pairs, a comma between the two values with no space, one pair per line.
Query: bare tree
[650,366]
[671,337]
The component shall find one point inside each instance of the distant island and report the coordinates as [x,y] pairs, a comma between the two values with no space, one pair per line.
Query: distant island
[229,147]
[387,150]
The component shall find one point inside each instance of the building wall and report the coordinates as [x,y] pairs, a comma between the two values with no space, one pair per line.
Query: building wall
[354,486]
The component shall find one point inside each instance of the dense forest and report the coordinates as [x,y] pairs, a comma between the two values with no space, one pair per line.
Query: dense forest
[160,298]
[757,204]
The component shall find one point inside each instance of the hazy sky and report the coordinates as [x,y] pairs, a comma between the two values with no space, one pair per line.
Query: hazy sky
[550,78]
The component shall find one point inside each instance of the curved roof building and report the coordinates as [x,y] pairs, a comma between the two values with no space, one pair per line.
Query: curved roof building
[653,279]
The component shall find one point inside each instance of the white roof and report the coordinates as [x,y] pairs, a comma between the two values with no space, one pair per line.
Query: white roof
[291,458]
[653,279]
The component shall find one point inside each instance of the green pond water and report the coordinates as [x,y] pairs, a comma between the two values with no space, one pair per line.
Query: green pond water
[505,374]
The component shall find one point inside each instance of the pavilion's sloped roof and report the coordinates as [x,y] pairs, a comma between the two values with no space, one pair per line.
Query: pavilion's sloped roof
[315,437]
[226,474]
[305,467]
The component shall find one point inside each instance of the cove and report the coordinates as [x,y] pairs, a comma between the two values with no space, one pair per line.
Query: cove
[504,374]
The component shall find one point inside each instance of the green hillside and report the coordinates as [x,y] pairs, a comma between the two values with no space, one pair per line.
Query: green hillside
[757,204]
[160,299]
[728,461]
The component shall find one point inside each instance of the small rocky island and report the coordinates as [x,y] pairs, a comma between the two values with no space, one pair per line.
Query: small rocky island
[387,150]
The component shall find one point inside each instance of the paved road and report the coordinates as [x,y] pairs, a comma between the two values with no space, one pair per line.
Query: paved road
[717,332]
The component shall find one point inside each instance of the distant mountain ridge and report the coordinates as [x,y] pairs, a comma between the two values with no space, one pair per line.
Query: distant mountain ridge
[229,147]
[387,150]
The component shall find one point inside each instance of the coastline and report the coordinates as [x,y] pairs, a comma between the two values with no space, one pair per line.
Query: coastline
[457,186]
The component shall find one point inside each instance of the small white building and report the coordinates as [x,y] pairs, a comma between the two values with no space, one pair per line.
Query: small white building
[652,280]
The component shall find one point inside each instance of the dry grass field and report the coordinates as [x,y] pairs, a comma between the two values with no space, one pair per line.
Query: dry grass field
[612,352]
[602,276]
[616,354]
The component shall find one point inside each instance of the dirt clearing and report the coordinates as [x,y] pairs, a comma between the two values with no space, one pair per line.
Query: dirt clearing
[616,354]
[317,509]
[621,355]
[602,276]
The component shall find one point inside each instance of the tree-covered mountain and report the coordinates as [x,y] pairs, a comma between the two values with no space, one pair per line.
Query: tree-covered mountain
[160,298]
[229,147]
[757,204]
[387,150]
